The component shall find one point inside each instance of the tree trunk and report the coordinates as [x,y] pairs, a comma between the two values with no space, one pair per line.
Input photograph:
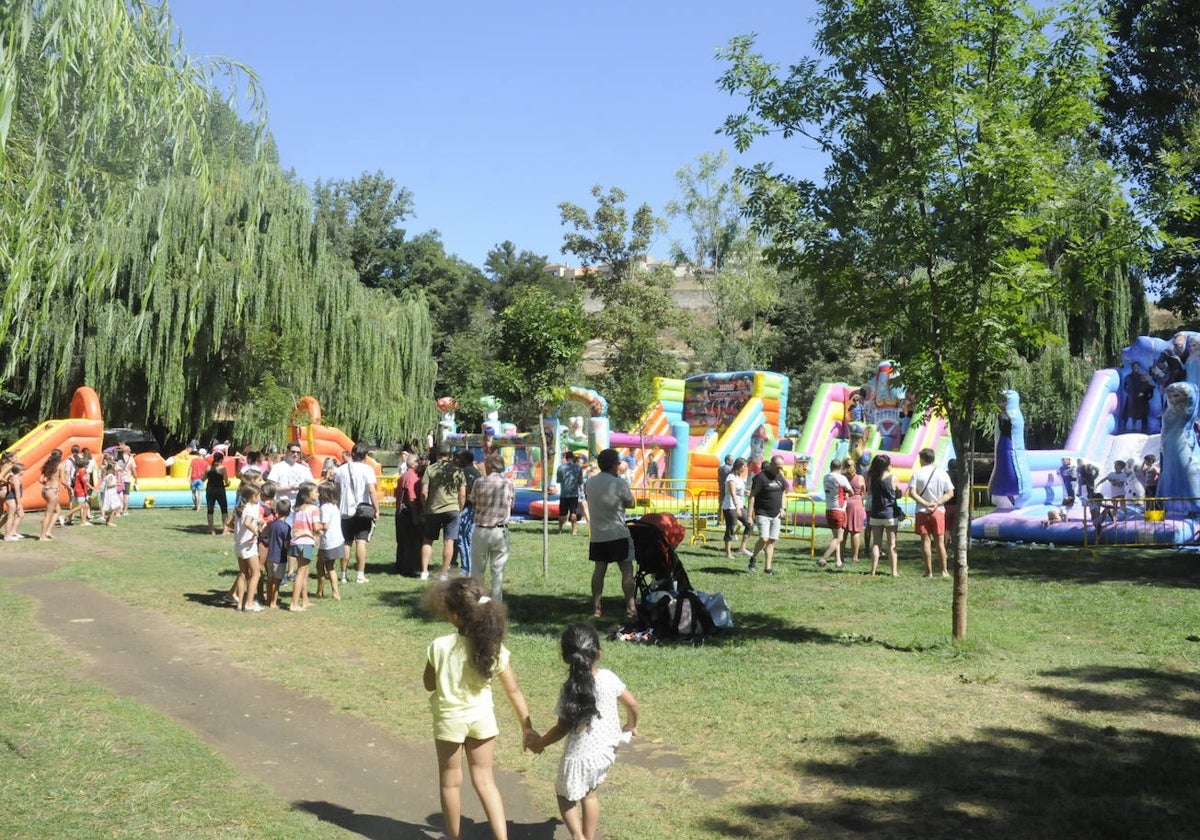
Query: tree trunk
[545,501]
[963,435]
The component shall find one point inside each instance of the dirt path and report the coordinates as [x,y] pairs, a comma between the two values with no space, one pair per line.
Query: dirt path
[352,773]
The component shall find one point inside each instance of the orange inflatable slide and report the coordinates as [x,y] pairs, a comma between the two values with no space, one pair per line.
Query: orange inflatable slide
[85,427]
[320,442]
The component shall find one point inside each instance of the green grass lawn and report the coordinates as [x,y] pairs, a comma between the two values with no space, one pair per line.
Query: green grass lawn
[838,707]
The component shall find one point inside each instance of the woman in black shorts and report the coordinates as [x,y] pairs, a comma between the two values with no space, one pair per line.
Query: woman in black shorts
[215,482]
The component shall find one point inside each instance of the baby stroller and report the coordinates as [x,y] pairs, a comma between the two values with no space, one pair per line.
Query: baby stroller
[658,565]
[666,601]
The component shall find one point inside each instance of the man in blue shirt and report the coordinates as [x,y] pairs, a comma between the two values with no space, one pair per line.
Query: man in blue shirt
[570,481]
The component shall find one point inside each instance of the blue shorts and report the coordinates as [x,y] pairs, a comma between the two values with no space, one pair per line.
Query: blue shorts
[304,552]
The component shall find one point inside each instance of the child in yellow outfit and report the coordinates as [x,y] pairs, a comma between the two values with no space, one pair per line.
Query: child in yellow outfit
[459,670]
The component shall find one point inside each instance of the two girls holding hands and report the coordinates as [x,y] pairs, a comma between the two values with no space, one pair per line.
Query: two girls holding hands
[459,671]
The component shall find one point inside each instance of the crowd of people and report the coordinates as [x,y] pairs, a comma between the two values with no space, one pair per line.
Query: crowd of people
[111,476]
[861,507]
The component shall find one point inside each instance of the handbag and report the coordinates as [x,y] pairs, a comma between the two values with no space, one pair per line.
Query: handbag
[365,510]
[898,513]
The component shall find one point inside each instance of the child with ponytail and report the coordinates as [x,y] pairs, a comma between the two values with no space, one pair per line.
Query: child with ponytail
[459,669]
[589,719]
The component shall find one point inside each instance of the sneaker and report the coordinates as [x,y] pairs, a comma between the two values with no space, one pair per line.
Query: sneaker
[290,577]
[13,538]
[343,577]
[361,579]
[443,576]
[768,571]
[747,552]
[255,607]
[424,576]
[751,566]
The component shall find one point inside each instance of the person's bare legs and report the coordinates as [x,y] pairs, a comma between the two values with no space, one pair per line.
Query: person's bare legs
[941,550]
[48,520]
[360,554]
[300,586]
[591,814]
[479,763]
[768,554]
[927,553]
[891,545]
[598,572]
[426,555]
[627,589]
[450,786]
[447,554]
[572,817]
[581,818]
[876,537]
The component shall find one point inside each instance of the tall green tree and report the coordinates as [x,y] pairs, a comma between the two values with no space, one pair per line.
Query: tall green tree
[953,128]
[1152,122]
[509,269]
[98,104]
[636,311]
[360,218]
[724,256]
[172,264]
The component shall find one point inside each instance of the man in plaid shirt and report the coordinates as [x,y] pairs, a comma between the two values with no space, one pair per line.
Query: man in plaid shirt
[492,497]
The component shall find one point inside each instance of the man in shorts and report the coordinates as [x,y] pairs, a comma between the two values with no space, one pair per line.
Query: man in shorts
[443,494]
[766,511]
[930,487]
[608,496]
[837,490]
[570,480]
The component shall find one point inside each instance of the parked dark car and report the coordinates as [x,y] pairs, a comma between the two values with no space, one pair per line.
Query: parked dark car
[139,440]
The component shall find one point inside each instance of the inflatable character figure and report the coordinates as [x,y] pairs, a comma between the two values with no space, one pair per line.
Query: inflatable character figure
[447,425]
[885,400]
[491,407]
[575,437]
[1180,479]
[1011,479]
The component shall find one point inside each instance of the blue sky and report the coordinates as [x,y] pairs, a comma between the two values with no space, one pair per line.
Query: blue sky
[492,114]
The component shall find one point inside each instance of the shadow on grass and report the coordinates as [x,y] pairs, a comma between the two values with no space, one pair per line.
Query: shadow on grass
[1159,692]
[1069,779]
[198,528]
[379,827]
[211,598]
[1143,566]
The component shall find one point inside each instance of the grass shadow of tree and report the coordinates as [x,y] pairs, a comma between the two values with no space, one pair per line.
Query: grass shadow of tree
[1068,779]
[1147,567]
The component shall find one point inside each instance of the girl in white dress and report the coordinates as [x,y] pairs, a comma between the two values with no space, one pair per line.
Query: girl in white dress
[110,493]
[589,719]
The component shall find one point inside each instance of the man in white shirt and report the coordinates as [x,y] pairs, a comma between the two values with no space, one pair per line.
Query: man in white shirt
[930,487]
[291,471]
[356,486]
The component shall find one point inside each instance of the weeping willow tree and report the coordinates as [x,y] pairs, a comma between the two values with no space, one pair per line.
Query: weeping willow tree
[1098,309]
[152,247]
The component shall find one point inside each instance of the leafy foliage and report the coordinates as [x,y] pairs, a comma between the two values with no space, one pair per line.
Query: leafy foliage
[957,130]
[635,308]
[1152,122]
[163,257]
